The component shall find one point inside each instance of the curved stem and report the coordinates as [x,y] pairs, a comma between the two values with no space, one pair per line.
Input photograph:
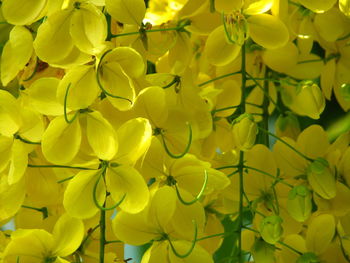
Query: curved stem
[287,144]
[94,193]
[100,84]
[199,194]
[194,241]
[65,107]
[218,78]
[187,146]
[25,140]
[174,81]
[42,210]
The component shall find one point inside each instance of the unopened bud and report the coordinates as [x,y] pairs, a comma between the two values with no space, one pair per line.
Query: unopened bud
[271,229]
[244,132]
[299,204]
[287,126]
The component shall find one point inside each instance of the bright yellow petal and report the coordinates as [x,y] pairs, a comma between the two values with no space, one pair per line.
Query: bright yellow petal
[133,228]
[19,162]
[268,31]
[126,180]
[16,53]
[129,59]
[318,6]
[42,94]
[127,11]
[258,7]
[78,197]
[22,12]
[83,89]
[134,140]
[218,50]
[61,141]
[10,120]
[101,136]
[198,255]
[320,233]
[88,29]
[277,60]
[68,234]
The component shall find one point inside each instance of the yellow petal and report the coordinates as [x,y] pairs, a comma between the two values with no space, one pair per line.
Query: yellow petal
[83,88]
[320,233]
[101,136]
[22,12]
[218,50]
[78,197]
[268,31]
[61,141]
[258,7]
[29,246]
[277,60]
[5,151]
[88,29]
[19,162]
[198,255]
[327,78]
[151,104]
[127,11]
[330,25]
[344,6]
[112,73]
[11,197]
[53,41]
[318,6]
[42,94]
[16,53]
[158,252]
[129,59]
[162,207]
[133,228]
[227,5]
[68,234]
[307,70]
[127,180]
[134,140]
[10,120]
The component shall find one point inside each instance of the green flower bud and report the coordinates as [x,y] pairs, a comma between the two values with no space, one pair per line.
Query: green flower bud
[299,204]
[308,257]
[263,252]
[287,126]
[244,132]
[321,178]
[271,229]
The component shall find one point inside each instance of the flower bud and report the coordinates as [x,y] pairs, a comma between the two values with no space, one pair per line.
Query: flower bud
[271,229]
[321,179]
[306,99]
[287,126]
[244,132]
[345,91]
[299,204]
[263,252]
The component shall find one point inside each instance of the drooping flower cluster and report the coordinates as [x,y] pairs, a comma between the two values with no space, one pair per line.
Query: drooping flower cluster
[151,122]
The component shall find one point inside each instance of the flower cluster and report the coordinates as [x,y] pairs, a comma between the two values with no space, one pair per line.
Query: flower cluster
[175,124]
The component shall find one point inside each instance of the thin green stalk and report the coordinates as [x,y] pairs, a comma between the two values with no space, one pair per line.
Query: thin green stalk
[241,156]
[287,144]
[102,235]
[270,175]
[265,107]
[59,166]
[42,210]
[265,93]
[25,140]
[218,78]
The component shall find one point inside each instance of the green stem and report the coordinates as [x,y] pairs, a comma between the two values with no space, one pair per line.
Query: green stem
[59,166]
[113,241]
[178,28]
[25,140]
[287,144]
[226,108]
[241,156]
[42,210]
[212,6]
[33,73]
[218,78]
[65,107]
[265,107]
[102,235]
[270,175]
[266,94]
